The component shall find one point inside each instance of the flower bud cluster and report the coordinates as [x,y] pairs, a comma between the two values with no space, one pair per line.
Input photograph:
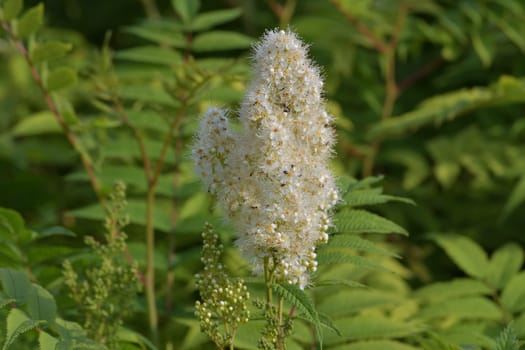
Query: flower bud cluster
[223,299]
[272,178]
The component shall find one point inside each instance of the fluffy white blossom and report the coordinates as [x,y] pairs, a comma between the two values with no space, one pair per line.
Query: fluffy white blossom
[272,178]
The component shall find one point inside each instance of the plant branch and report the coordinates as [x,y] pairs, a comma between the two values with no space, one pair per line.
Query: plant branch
[377,43]
[138,137]
[391,87]
[86,161]
[150,8]
[420,73]
[283,12]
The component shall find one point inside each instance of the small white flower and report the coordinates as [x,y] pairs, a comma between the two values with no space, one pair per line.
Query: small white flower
[272,179]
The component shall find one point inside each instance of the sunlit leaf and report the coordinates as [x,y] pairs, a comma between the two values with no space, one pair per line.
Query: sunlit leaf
[30,21]
[221,40]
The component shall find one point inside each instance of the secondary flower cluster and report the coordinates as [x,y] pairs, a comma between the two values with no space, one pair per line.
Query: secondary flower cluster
[223,299]
[272,178]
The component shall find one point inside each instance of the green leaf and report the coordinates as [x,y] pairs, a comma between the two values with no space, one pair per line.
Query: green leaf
[41,304]
[46,341]
[345,283]
[483,47]
[49,51]
[129,336]
[513,296]
[463,308]
[56,231]
[31,21]
[446,107]
[370,327]
[73,336]
[137,213]
[60,78]
[466,253]
[375,345]
[516,198]
[37,124]
[360,221]
[210,19]
[17,324]
[186,9]
[15,284]
[339,256]
[11,9]
[507,340]
[221,40]
[371,196]
[357,243]
[519,325]
[11,223]
[149,94]
[460,287]
[4,300]
[504,264]
[303,303]
[350,301]
[150,54]
[159,33]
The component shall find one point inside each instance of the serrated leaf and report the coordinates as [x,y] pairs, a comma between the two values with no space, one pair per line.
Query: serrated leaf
[361,221]
[41,304]
[4,300]
[221,40]
[72,335]
[17,324]
[345,283]
[513,295]
[60,78]
[37,124]
[46,341]
[371,196]
[15,284]
[370,327]
[516,198]
[375,345]
[507,340]
[327,322]
[49,51]
[150,54]
[463,308]
[466,253]
[446,107]
[504,264]
[338,256]
[303,303]
[11,9]
[460,287]
[357,243]
[210,19]
[350,301]
[30,21]
[186,9]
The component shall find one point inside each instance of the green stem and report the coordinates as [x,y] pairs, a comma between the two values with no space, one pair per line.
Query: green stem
[150,266]
[268,281]
[280,339]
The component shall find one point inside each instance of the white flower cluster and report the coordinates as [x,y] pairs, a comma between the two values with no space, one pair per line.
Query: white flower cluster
[272,178]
